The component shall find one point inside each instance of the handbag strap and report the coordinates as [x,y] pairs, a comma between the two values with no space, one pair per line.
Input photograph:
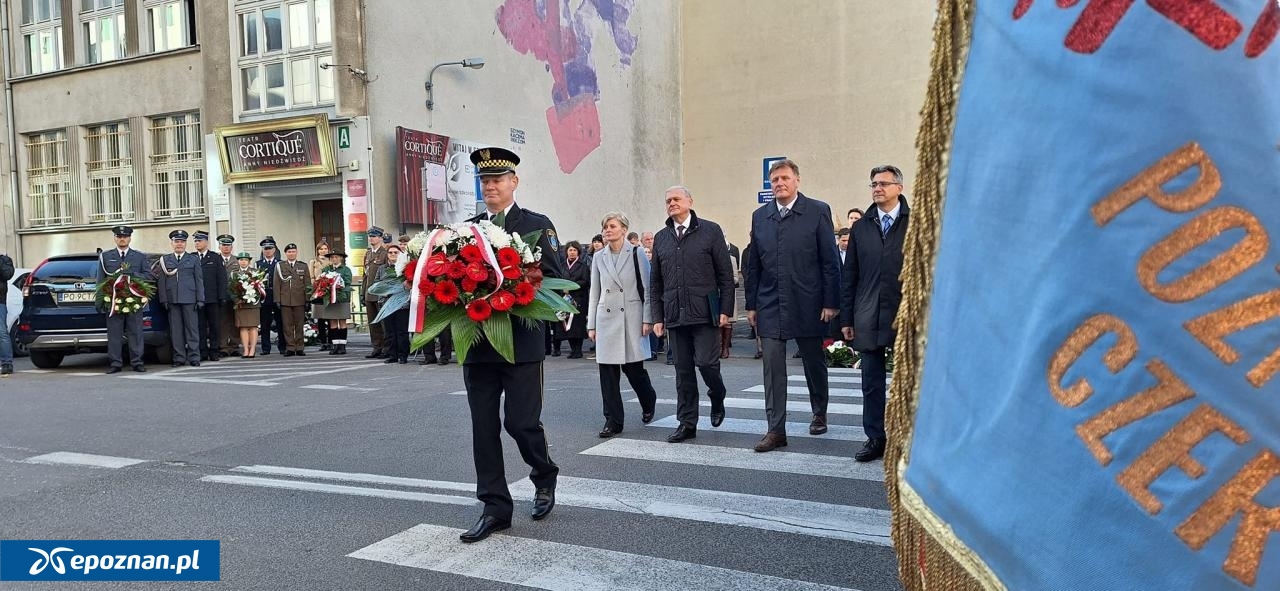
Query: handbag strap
[635,265]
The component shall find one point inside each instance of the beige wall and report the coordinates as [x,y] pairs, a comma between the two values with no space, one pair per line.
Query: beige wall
[836,86]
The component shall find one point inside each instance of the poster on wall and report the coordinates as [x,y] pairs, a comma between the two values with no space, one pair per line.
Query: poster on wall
[461,184]
[436,183]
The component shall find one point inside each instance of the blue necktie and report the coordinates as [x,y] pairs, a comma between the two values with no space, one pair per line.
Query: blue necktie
[885,222]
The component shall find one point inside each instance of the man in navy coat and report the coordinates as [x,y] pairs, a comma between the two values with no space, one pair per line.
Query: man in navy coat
[122,326]
[792,291]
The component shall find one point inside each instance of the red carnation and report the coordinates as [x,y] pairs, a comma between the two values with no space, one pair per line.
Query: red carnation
[469,285]
[479,310]
[508,257]
[477,272]
[471,253]
[437,264]
[502,300]
[457,270]
[446,292]
[525,293]
[426,288]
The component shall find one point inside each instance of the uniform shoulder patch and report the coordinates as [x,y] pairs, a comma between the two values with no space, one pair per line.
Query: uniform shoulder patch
[552,240]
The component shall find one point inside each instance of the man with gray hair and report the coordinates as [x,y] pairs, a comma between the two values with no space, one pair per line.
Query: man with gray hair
[692,297]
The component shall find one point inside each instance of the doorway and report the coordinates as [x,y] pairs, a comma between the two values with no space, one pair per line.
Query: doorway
[326,214]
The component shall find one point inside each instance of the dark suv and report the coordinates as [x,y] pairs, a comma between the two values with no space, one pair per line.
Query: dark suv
[59,316]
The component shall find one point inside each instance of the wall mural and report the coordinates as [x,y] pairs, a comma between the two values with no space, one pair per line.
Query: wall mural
[556,34]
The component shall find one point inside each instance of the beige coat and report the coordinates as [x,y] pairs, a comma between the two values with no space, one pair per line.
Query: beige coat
[615,309]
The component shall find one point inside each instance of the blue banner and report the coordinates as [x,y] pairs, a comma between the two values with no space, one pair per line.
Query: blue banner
[1099,406]
[110,560]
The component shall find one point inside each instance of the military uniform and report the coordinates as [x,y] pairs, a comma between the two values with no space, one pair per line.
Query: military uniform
[293,290]
[229,334]
[181,288]
[124,326]
[215,298]
[269,315]
[374,261]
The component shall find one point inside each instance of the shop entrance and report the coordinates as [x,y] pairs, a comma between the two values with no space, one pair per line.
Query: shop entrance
[326,214]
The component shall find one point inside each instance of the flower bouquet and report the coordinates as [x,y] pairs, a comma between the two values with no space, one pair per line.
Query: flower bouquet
[122,293]
[838,354]
[473,278]
[326,287]
[311,332]
[248,287]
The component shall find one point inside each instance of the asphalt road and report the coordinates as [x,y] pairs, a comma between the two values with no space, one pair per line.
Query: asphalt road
[342,473]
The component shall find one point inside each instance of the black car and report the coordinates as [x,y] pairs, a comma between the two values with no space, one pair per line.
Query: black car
[60,317]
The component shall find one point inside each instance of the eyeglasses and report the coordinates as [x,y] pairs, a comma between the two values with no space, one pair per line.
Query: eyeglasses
[875,184]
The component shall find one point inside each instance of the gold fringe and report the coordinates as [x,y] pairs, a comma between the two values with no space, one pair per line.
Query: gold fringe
[929,555]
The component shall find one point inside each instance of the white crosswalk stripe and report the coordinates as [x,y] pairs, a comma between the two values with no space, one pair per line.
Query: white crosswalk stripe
[265,373]
[743,458]
[560,567]
[804,391]
[832,378]
[760,426]
[833,408]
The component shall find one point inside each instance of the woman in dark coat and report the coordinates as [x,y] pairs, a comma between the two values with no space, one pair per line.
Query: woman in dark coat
[578,269]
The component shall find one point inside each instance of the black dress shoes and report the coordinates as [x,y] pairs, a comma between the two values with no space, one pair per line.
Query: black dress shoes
[112,370]
[682,433]
[301,353]
[481,530]
[608,432]
[140,369]
[194,364]
[646,417]
[543,502]
[429,360]
[717,413]
[288,353]
[872,450]
[391,360]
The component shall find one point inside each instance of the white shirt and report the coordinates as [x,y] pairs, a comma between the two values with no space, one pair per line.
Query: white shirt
[504,211]
[893,214]
[789,206]
[685,224]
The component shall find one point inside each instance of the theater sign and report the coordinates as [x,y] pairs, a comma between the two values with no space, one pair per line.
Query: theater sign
[293,148]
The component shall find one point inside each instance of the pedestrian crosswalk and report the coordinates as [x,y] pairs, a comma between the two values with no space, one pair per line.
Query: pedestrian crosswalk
[263,371]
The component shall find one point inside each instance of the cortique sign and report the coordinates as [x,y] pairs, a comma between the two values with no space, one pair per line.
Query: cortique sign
[298,147]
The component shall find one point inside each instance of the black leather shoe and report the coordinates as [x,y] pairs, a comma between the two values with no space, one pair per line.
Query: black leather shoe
[391,360]
[430,360]
[194,364]
[301,353]
[872,450]
[717,413]
[178,363]
[112,370]
[140,369]
[608,432]
[289,353]
[646,417]
[543,502]
[682,433]
[373,355]
[555,353]
[444,361]
[481,530]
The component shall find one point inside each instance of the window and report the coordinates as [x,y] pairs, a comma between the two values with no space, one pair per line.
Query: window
[172,24]
[282,48]
[177,166]
[48,180]
[104,31]
[42,35]
[110,172]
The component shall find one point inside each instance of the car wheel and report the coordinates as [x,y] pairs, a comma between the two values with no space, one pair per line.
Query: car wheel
[46,360]
[19,348]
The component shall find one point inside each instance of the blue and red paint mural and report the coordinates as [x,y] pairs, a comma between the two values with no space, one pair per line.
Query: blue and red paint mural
[560,36]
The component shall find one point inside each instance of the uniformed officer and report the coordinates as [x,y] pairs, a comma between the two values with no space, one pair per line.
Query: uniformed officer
[215,296]
[487,375]
[181,290]
[269,315]
[293,291]
[229,341]
[374,260]
[124,326]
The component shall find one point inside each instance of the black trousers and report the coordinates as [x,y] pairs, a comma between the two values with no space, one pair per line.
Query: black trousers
[397,334]
[210,321]
[610,380]
[120,327]
[873,392]
[522,409]
[695,346]
[575,346]
[445,338]
[270,318]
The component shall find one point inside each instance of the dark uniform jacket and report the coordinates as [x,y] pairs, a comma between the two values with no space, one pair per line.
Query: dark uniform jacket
[344,292]
[374,261]
[293,283]
[686,271]
[794,269]
[872,289]
[185,285]
[529,341]
[110,262]
[269,268]
[215,277]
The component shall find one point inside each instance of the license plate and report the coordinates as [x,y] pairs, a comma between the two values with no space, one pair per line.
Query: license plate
[75,296]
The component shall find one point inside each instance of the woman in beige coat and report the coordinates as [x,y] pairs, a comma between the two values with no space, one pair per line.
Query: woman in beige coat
[317,265]
[618,322]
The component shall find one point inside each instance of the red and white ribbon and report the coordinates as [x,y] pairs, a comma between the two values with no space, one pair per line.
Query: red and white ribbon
[417,303]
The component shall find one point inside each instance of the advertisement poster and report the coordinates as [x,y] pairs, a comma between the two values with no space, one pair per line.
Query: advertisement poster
[436,182]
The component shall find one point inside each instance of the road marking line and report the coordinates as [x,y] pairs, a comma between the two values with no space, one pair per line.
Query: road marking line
[359,491]
[324,387]
[163,378]
[804,391]
[357,477]
[845,370]
[85,374]
[79,459]
[824,520]
[744,458]
[36,371]
[833,408]
[458,393]
[759,427]
[834,379]
[556,566]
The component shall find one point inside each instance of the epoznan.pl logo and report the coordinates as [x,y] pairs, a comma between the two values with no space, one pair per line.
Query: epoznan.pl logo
[110,560]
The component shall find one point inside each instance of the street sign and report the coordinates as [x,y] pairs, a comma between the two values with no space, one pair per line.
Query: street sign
[765,196]
[344,137]
[764,173]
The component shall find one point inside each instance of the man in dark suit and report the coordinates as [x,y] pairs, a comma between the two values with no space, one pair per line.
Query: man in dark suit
[215,295]
[270,316]
[487,375]
[181,290]
[122,326]
[871,294]
[793,290]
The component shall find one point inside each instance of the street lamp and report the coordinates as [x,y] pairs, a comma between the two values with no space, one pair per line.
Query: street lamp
[474,63]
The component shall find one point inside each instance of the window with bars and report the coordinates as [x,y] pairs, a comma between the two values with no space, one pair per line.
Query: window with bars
[102,22]
[283,49]
[48,180]
[42,35]
[177,167]
[109,167]
[172,24]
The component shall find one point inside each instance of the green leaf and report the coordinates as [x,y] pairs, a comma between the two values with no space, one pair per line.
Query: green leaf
[465,334]
[393,304]
[532,238]
[498,330]
[557,284]
[537,309]
[438,319]
[555,301]
[387,287]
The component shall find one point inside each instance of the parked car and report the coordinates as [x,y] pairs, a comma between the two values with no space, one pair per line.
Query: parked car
[13,301]
[60,317]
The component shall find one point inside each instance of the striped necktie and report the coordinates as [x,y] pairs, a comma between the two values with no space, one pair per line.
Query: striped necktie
[885,222]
